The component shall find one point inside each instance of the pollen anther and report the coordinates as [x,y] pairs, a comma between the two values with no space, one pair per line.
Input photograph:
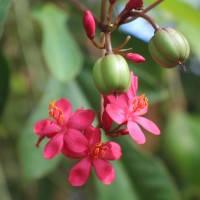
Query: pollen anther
[56,112]
[99,149]
[140,103]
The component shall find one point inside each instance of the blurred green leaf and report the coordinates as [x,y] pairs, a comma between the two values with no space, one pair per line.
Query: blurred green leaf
[181,145]
[181,11]
[121,188]
[4,6]
[60,50]
[148,174]
[3,186]
[192,36]
[87,85]
[4,82]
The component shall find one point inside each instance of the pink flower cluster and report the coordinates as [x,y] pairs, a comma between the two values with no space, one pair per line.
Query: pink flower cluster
[126,110]
[73,135]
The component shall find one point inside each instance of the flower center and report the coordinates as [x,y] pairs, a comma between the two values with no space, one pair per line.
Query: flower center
[140,102]
[99,150]
[56,112]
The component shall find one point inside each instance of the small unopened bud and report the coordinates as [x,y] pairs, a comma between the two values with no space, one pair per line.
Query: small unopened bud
[135,58]
[134,4]
[112,1]
[124,132]
[89,24]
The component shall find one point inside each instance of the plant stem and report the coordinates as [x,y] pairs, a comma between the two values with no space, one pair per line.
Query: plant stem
[124,15]
[123,44]
[153,5]
[103,10]
[97,45]
[110,13]
[144,16]
[108,44]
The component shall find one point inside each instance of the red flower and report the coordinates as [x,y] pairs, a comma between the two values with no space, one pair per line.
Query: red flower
[93,153]
[64,128]
[128,109]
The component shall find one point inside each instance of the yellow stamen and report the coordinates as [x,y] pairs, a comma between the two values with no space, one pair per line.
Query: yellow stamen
[99,149]
[56,112]
[140,103]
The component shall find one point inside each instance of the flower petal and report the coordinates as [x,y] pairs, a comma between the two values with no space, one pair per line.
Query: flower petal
[148,125]
[54,146]
[75,141]
[136,132]
[120,101]
[117,113]
[140,111]
[66,107]
[41,137]
[104,171]
[131,93]
[93,135]
[112,151]
[106,121]
[80,172]
[71,154]
[81,119]
[46,126]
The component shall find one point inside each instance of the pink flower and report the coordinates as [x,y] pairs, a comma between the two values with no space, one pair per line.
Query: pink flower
[128,109]
[64,128]
[94,153]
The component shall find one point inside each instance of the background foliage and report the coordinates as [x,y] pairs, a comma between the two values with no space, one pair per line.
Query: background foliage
[46,55]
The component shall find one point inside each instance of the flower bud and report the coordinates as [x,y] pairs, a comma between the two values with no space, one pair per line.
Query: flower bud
[89,24]
[111,75]
[168,47]
[134,4]
[135,58]
[112,1]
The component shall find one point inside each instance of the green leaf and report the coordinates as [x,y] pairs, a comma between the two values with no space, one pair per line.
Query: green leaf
[122,186]
[181,11]
[148,174]
[60,50]
[4,82]
[4,6]
[120,189]
[181,145]
[87,86]
[192,34]
[3,186]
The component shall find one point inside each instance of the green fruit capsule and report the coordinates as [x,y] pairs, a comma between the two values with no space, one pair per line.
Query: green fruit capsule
[168,47]
[111,75]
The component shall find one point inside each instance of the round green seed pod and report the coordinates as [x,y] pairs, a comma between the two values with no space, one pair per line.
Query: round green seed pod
[168,47]
[111,74]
